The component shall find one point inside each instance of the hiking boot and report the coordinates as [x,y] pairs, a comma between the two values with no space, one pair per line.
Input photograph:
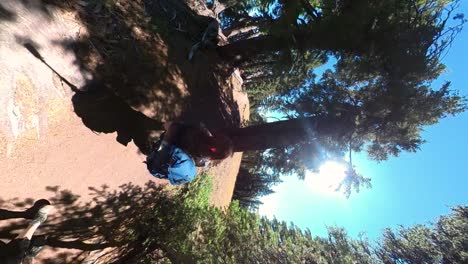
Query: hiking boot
[36,245]
[31,212]
[33,251]
[41,215]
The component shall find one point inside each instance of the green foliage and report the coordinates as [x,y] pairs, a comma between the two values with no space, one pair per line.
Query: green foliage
[385,121]
[173,222]
[338,247]
[181,227]
[254,180]
[444,242]
[278,74]
[387,52]
[198,192]
[381,120]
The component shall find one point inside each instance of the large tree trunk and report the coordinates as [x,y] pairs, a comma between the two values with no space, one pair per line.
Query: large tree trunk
[289,132]
[222,5]
[320,36]
[247,48]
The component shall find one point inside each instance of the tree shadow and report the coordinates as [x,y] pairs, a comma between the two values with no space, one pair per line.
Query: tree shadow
[7,8]
[37,6]
[6,14]
[102,111]
[136,53]
[108,226]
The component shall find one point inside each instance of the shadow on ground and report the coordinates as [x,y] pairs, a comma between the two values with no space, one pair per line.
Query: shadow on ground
[136,53]
[110,226]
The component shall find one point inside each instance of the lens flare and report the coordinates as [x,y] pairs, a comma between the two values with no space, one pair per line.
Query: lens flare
[327,179]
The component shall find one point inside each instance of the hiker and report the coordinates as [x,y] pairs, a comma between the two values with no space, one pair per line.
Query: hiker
[24,247]
[182,147]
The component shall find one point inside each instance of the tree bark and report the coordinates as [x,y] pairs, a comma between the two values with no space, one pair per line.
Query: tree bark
[321,36]
[225,4]
[289,132]
[247,22]
[244,30]
[247,48]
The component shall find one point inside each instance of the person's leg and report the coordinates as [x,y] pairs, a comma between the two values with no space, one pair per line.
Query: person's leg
[7,214]
[32,211]
[27,214]
[41,217]
[3,249]
[18,247]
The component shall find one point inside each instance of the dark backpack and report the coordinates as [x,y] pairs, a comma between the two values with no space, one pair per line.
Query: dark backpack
[172,163]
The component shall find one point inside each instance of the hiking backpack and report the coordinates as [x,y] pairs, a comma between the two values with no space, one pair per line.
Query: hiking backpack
[170,162]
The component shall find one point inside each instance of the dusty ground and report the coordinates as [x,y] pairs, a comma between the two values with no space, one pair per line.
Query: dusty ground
[54,139]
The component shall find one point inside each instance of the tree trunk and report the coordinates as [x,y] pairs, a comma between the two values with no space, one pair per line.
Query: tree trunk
[248,30]
[289,132]
[320,36]
[247,48]
[225,4]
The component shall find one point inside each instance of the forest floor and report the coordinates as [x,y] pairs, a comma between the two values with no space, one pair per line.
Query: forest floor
[85,121]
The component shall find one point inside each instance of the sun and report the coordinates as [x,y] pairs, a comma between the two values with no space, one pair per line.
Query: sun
[327,179]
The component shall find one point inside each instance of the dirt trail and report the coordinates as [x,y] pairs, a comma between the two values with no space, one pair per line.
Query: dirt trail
[42,141]
[71,157]
[48,138]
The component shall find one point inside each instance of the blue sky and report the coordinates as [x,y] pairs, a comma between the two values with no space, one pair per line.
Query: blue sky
[414,188]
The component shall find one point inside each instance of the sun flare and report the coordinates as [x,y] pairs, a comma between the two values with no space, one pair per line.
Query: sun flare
[327,179]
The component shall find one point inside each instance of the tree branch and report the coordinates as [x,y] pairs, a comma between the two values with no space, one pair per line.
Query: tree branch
[310,10]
